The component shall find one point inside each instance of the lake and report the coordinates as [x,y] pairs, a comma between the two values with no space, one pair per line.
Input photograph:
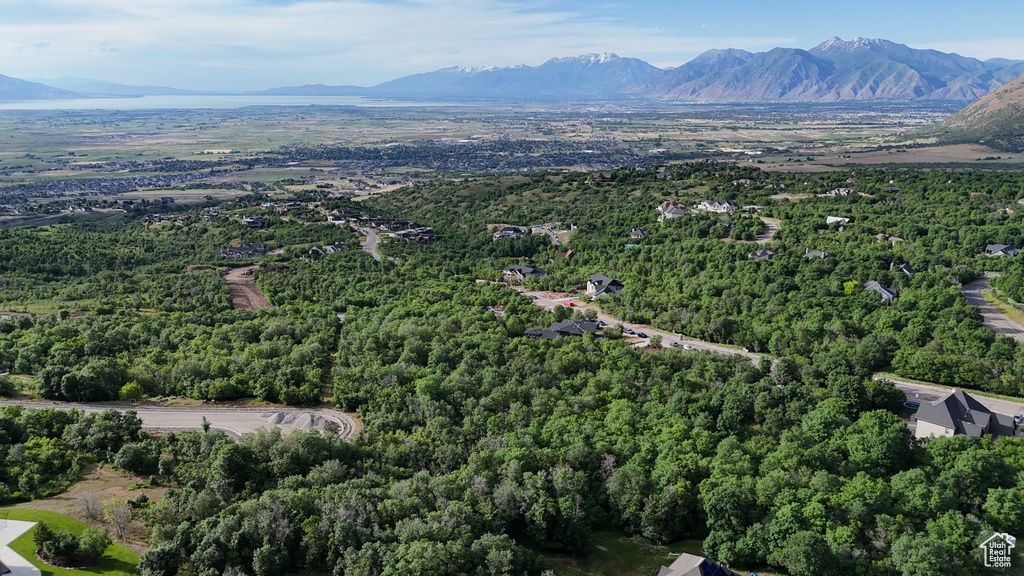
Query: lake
[217,101]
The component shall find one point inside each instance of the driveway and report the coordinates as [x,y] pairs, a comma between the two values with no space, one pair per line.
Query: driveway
[992,316]
[548,301]
[925,393]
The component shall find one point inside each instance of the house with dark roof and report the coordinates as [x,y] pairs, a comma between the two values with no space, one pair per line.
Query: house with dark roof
[637,234]
[887,295]
[762,254]
[816,255]
[959,413]
[599,285]
[906,269]
[243,252]
[567,327]
[690,565]
[517,273]
[508,232]
[1001,250]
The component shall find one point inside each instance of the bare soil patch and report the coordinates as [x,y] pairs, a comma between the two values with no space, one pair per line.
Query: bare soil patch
[245,293]
[105,483]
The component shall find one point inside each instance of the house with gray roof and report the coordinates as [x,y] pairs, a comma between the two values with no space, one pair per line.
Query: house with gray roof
[243,252]
[1001,250]
[887,295]
[567,327]
[762,254]
[691,565]
[959,413]
[817,255]
[517,272]
[599,285]
[717,206]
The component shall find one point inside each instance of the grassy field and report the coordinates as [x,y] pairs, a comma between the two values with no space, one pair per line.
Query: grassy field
[117,560]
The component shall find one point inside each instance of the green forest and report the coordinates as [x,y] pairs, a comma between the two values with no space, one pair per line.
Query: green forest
[483,452]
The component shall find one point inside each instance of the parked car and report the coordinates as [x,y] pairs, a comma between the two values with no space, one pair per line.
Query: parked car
[641,334]
[674,344]
[687,347]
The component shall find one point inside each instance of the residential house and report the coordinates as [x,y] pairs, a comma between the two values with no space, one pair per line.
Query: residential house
[836,219]
[906,269]
[775,186]
[891,189]
[243,252]
[743,182]
[690,565]
[717,206]
[508,232]
[601,177]
[336,247]
[959,413]
[517,273]
[816,255]
[887,295]
[841,192]
[254,221]
[599,285]
[421,235]
[762,254]
[670,210]
[1001,250]
[637,234]
[568,327]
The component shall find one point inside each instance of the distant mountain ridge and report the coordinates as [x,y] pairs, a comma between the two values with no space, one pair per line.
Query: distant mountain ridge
[861,69]
[15,89]
[835,70]
[588,76]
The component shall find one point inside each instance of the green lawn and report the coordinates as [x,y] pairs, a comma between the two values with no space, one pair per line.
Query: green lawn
[613,553]
[117,560]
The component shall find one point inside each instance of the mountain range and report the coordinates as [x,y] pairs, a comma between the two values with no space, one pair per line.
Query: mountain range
[835,70]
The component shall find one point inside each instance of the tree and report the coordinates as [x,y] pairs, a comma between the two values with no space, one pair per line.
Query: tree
[94,542]
[119,514]
[91,505]
[131,392]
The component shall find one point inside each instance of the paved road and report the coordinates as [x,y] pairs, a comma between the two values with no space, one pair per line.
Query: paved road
[925,393]
[992,316]
[234,421]
[370,245]
[667,338]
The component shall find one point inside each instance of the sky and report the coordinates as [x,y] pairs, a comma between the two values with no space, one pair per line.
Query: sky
[258,44]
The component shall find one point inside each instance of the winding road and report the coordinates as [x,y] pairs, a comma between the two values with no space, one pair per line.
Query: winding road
[370,244]
[233,421]
[992,316]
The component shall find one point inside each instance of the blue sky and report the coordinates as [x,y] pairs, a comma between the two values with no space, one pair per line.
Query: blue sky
[255,44]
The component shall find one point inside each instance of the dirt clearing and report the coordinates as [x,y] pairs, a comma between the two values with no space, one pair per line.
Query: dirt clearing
[244,291]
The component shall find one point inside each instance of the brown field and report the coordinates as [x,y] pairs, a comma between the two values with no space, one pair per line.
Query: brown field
[245,293]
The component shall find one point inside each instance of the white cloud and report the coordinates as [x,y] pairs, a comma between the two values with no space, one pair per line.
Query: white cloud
[242,44]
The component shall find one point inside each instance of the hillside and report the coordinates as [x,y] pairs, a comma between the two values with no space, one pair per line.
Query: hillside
[997,118]
[15,89]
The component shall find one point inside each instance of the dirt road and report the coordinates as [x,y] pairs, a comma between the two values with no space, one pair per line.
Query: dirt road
[991,315]
[244,291]
[667,338]
[771,226]
[234,421]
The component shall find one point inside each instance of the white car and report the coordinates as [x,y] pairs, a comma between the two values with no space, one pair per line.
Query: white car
[687,347]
